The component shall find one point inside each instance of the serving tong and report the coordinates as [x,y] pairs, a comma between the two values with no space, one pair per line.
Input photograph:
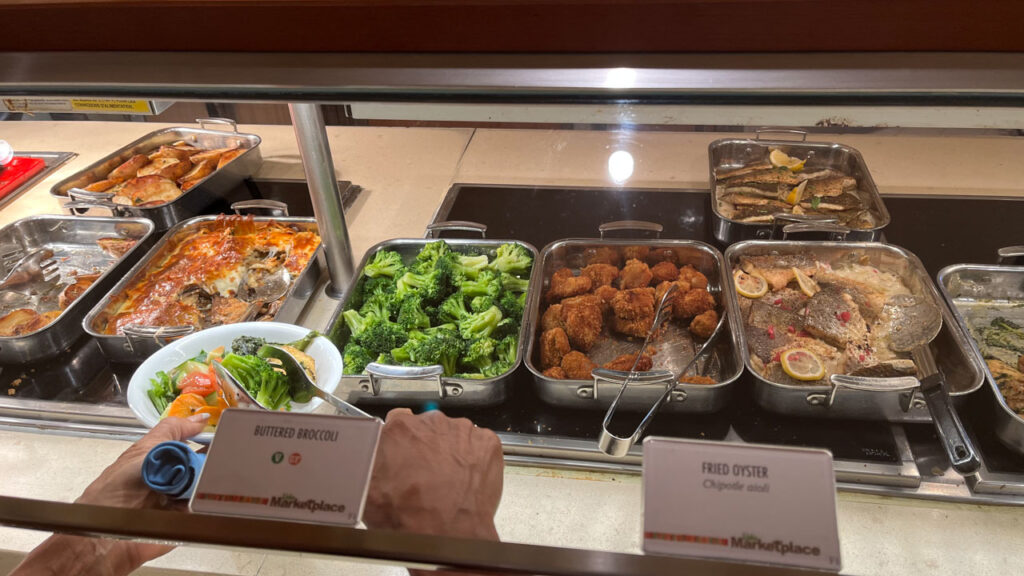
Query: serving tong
[619,446]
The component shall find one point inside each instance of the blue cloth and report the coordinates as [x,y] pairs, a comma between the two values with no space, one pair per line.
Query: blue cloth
[172,468]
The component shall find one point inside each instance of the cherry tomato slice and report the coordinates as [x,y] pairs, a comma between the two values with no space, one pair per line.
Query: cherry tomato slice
[200,383]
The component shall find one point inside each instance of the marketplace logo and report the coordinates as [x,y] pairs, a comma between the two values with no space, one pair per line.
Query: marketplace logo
[750,541]
[291,502]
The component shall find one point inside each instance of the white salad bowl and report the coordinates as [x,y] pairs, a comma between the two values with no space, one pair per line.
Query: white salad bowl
[323,351]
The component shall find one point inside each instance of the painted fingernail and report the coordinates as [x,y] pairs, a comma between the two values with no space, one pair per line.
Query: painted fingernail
[200,417]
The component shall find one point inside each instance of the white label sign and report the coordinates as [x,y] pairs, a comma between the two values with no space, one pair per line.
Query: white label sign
[305,467]
[740,502]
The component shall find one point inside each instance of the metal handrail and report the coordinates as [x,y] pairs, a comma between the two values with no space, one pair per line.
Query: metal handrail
[443,552]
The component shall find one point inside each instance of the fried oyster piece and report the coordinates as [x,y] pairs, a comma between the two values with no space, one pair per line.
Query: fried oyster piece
[577,366]
[625,362]
[633,311]
[554,345]
[600,274]
[635,274]
[565,285]
[583,320]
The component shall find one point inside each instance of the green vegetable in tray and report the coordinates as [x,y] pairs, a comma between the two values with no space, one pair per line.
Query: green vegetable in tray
[462,311]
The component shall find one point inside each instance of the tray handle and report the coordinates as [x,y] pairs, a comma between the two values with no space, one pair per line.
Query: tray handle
[907,384]
[780,222]
[435,228]
[621,225]
[89,196]
[1010,255]
[161,335]
[219,121]
[272,207]
[835,231]
[765,130]
[80,207]
[378,371]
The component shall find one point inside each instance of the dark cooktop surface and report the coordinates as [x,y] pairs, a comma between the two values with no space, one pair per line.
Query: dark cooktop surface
[941,231]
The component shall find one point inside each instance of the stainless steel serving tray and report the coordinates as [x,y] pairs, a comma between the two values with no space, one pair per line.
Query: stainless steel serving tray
[738,152]
[982,292]
[952,349]
[413,390]
[73,241]
[135,348]
[213,193]
[691,398]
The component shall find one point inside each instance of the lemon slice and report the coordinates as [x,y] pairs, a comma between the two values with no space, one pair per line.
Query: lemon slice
[780,159]
[796,194]
[807,284]
[802,364]
[750,285]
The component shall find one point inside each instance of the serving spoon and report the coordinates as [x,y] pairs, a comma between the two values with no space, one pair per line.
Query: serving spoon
[913,323]
[300,383]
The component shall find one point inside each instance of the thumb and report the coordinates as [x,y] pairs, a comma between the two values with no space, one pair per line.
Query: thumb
[179,428]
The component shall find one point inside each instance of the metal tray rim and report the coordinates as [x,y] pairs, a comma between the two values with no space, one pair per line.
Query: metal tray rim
[524,327]
[158,248]
[142,140]
[539,378]
[975,350]
[915,262]
[151,228]
[885,219]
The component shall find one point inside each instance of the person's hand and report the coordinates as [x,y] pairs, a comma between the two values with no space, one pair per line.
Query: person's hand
[435,475]
[120,485]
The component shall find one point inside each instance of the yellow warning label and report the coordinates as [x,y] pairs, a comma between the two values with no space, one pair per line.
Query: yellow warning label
[125,106]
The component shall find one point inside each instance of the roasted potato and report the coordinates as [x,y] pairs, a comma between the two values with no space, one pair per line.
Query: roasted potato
[129,169]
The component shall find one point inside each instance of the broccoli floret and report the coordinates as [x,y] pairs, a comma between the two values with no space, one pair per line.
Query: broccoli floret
[403,354]
[381,336]
[302,343]
[470,266]
[431,286]
[432,252]
[514,284]
[355,358]
[440,345]
[505,351]
[453,309]
[496,369]
[512,258]
[357,323]
[247,345]
[450,327]
[370,287]
[480,353]
[411,314]
[385,263]
[480,325]
[487,283]
[512,305]
[481,303]
[385,358]
[507,327]
[378,306]
[269,387]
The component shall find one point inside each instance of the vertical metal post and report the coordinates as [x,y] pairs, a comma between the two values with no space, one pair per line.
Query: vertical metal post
[308,121]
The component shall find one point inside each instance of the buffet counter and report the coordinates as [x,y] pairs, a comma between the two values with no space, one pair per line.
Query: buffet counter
[405,173]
